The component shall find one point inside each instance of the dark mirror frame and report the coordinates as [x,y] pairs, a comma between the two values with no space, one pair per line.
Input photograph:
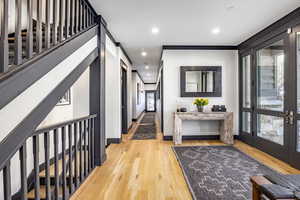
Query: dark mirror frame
[217,81]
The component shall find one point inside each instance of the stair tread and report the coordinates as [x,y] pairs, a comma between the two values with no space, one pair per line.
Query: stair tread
[52,168]
[42,174]
[31,194]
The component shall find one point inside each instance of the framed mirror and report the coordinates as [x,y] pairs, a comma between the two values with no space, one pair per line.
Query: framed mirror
[201,81]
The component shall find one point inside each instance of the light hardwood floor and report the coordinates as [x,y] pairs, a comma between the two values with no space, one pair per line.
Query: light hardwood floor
[148,170]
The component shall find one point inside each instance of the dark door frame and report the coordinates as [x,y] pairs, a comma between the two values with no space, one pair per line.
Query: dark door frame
[124,95]
[286,152]
[293,57]
[146,100]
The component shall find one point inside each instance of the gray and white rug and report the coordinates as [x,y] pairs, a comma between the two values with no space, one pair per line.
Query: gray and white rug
[219,172]
[149,118]
[145,132]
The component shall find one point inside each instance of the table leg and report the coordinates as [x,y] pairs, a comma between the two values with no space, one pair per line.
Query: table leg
[177,138]
[226,130]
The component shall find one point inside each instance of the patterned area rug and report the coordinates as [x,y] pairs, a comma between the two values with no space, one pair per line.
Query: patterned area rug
[149,118]
[145,132]
[219,172]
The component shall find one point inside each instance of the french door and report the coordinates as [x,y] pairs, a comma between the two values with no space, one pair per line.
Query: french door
[150,101]
[270,106]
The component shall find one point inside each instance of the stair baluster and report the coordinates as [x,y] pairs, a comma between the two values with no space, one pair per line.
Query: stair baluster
[64,174]
[55,20]
[36,169]
[47,164]
[76,154]
[29,34]
[47,26]
[70,134]
[80,151]
[23,168]
[56,167]
[4,37]
[18,30]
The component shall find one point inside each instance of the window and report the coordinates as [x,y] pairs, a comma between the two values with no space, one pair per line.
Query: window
[246,124]
[138,94]
[246,68]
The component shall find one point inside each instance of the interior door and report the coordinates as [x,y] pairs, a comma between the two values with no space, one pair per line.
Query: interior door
[295,94]
[271,105]
[124,100]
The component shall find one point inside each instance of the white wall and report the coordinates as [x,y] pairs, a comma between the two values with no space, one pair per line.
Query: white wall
[137,109]
[150,86]
[113,110]
[172,61]
[129,87]
[112,91]
[80,103]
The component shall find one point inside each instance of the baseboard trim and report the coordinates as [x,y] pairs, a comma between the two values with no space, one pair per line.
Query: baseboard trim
[137,119]
[197,137]
[113,141]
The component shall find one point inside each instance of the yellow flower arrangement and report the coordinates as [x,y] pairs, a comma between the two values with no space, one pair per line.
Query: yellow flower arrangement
[201,102]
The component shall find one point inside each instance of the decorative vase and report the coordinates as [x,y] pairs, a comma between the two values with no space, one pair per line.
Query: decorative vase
[200,108]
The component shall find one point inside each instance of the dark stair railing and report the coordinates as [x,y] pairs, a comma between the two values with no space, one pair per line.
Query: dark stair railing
[49,23]
[61,175]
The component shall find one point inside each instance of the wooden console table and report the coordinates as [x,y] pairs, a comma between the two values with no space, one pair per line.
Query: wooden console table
[226,125]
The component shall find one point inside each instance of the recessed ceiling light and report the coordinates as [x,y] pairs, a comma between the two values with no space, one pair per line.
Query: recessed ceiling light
[144,53]
[155,30]
[216,31]
[147,66]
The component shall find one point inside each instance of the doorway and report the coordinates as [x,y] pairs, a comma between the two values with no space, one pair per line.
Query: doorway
[151,101]
[270,97]
[124,116]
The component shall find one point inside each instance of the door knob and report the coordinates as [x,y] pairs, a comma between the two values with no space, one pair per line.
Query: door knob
[289,117]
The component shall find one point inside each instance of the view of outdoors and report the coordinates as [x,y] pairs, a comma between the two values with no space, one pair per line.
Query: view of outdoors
[247,81]
[298,87]
[246,122]
[270,91]
[270,128]
[150,101]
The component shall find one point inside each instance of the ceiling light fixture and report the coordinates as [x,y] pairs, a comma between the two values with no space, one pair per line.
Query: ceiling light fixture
[155,30]
[216,31]
[147,67]
[144,53]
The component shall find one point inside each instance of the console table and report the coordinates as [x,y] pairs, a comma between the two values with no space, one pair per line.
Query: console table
[226,125]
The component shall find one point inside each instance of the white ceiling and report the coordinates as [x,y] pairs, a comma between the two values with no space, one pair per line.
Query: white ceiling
[185,22]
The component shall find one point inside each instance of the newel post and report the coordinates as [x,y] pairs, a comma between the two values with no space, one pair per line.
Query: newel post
[97,95]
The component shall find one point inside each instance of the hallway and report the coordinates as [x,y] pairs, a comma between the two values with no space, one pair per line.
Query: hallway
[148,169]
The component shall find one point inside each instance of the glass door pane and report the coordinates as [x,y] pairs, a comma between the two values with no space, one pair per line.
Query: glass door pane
[150,101]
[246,122]
[270,72]
[270,77]
[298,92]
[246,68]
[271,128]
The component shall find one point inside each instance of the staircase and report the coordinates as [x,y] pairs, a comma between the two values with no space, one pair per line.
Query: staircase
[62,154]
[42,32]
[58,177]
[24,35]
[71,182]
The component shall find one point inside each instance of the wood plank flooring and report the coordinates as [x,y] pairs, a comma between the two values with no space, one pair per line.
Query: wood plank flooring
[148,170]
